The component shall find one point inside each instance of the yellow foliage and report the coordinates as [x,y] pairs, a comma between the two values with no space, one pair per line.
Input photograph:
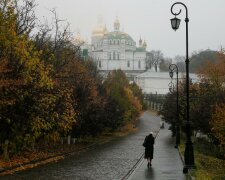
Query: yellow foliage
[134,100]
[215,72]
[209,167]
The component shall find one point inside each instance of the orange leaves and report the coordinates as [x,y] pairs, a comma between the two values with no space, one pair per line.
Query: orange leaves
[133,99]
[218,123]
[125,95]
[214,72]
[46,89]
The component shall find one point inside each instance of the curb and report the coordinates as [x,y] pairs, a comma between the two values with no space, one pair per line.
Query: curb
[41,160]
[59,156]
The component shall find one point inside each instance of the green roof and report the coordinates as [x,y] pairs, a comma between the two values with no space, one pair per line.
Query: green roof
[140,49]
[117,35]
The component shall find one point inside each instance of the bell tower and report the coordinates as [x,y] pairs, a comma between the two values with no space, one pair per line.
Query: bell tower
[140,42]
[116,24]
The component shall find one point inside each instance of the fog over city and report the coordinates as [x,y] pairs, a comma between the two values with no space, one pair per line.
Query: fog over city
[148,19]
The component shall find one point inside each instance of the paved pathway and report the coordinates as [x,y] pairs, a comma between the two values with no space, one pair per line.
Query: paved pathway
[110,161]
[166,165]
[113,160]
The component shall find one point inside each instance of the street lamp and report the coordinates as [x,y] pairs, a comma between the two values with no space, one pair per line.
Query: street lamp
[189,151]
[171,86]
[173,68]
[175,23]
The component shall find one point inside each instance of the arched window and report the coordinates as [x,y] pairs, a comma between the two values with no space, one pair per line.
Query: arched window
[114,42]
[118,56]
[114,55]
[139,64]
[118,42]
[109,56]
[128,63]
[99,64]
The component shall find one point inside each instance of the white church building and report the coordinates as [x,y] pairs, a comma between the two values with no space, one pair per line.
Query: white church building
[116,50]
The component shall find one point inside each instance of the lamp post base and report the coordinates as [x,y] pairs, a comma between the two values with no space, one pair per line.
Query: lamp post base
[177,136]
[189,157]
[186,168]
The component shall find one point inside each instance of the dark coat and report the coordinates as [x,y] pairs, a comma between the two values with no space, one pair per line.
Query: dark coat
[149,146]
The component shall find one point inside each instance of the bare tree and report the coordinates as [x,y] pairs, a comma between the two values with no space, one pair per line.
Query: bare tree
[153,59]
[3,5]
[25,13]
[180,61]
[57,37]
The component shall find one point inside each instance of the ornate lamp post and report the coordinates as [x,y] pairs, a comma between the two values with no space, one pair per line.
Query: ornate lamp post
[173,68]
[171,86]
[189,152]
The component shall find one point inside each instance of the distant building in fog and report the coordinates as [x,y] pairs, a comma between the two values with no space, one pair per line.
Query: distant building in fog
[116,50]
[158,82]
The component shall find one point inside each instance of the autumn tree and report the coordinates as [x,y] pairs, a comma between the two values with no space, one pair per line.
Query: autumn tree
[218,123]
[30,108]
[199,59]
[205,97]
[169,112]
[47,90]
[22,74]
[213,76]
[118,88]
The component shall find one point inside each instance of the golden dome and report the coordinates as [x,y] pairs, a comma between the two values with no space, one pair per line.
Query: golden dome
[100,30]
[144,44]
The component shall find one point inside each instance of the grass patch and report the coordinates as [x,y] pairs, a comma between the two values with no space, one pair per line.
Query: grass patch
[208,165]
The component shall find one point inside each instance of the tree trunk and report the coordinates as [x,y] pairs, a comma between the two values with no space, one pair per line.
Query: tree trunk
[6,150]
[68,139]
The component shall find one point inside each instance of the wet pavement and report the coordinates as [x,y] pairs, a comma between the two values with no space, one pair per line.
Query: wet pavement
[166,165]
[110,161]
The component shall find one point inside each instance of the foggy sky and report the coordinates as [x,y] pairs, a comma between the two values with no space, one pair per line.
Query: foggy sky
[148,19]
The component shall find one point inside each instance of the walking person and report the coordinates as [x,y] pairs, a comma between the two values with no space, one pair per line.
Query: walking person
[149,148]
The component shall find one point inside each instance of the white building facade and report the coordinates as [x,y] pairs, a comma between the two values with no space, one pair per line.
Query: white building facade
[117,50]
[152,82]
